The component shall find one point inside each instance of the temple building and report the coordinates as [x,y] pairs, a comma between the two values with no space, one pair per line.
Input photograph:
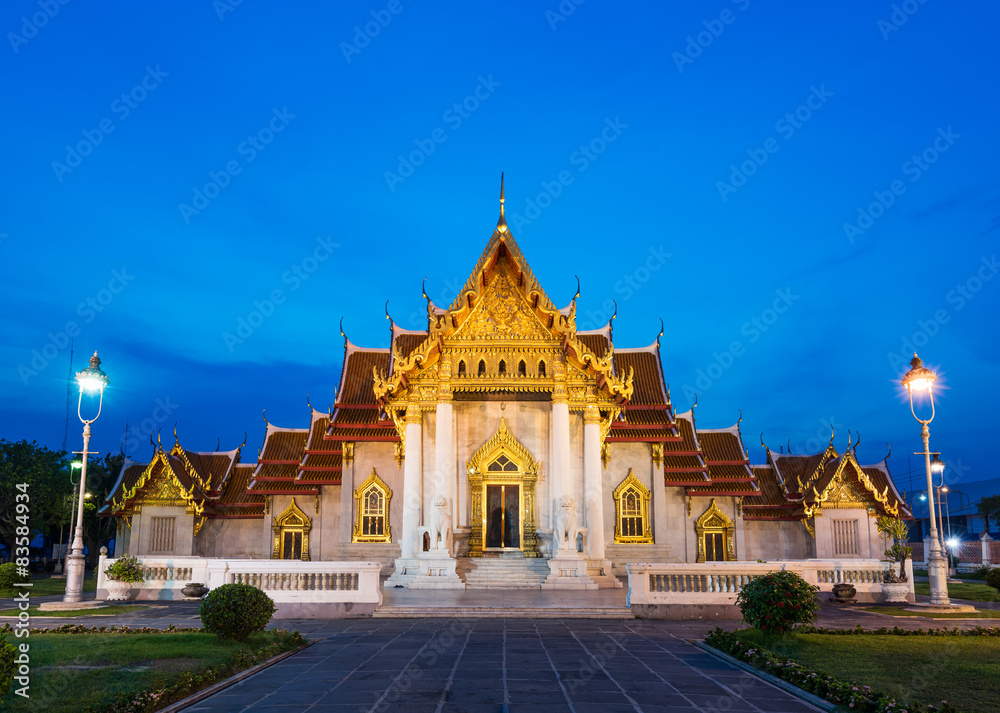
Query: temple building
[501,447]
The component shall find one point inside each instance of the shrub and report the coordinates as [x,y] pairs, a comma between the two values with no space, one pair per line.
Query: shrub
[993,578]
[777,601]
[126,569]
[8,575]
[234,611]
[7,665]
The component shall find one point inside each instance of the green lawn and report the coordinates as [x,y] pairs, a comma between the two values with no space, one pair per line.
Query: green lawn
[898,611]
[72,671]
[46,584]
[961,670]
[103,611]
[960,575]
[972,592]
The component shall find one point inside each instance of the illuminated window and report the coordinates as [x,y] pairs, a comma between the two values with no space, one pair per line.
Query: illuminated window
[291,534]
[632,511]
[372,506]
[716,539]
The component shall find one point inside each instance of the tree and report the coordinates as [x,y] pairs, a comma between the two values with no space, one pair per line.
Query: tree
[989,507]
[44,476]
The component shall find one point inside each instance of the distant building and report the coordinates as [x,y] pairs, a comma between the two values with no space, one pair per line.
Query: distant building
[502,446]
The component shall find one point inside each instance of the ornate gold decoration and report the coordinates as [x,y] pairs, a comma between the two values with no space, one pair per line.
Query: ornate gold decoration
[371,505]
[657,453]
[198,524]
[739,506]
[715,522]
[632,522]
[291,528]
[503,321]
[605,430]
[348,456]
[503,443]
[503,313]
[842,493]
[809,527]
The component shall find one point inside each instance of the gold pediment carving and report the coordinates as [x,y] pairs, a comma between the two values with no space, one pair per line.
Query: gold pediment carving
[502,314]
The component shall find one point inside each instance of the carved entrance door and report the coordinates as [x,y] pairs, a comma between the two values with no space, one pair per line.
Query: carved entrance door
[503,516]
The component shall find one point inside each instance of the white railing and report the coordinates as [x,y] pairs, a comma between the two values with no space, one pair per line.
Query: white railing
[285,581]
[719,582]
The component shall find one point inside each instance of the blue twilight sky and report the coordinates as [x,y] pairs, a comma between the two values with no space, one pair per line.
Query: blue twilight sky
[800,191]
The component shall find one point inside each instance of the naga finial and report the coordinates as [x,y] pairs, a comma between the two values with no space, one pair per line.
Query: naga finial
[577,295]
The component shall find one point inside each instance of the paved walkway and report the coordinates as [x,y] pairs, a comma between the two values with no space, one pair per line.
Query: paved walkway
[508,665]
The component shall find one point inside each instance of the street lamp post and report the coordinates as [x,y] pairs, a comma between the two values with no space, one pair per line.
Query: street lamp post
[72,511]
[91,380]
[919,378]
[937,468]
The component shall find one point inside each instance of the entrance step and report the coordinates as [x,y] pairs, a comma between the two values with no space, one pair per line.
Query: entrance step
[476,612]
[502,572]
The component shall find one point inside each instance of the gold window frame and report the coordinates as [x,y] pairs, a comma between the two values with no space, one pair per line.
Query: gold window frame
[290,522]
[714,521]
[634,485]
[370,483]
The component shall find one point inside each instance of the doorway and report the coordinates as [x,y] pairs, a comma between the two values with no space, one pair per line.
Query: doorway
[503,516]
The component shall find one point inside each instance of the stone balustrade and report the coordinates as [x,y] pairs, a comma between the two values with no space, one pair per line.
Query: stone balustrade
[708,590]
[299,589]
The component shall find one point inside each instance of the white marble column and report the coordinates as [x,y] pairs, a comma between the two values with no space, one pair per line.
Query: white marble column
[560,452]
[444,455]
[412,468]
[659,514]
[593,485]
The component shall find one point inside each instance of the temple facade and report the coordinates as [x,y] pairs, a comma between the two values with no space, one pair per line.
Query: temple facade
[502,447]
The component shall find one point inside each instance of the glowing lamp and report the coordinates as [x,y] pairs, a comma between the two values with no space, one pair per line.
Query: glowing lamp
[92,379]
[952,542]
[923,497]
[919,377]
[937,465]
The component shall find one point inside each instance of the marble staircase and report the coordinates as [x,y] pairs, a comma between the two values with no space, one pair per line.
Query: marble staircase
[505,572]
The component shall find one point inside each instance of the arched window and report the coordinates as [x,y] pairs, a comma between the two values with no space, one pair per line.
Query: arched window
[541,368]
[522,370]
[632,511]
[482,368]
[502,368]
[291,534]
[372,505]
[461,368]
[716,541]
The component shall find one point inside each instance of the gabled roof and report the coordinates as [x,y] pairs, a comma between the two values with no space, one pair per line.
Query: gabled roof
[502,273]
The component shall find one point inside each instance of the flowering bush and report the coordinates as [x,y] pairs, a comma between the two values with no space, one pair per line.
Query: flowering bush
[126,569]
[777,601]
[234,611]
[856,698]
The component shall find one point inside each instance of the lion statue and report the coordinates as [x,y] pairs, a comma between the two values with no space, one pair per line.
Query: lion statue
[564,536]
[440,525]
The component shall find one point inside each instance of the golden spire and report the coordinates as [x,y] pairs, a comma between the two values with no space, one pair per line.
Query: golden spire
[502,222]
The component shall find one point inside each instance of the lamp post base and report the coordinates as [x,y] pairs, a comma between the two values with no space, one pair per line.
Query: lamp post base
[937,571]
[74,578]
[928,608]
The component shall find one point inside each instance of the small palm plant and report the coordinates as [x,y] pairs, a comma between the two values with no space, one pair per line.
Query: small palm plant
[895,529]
